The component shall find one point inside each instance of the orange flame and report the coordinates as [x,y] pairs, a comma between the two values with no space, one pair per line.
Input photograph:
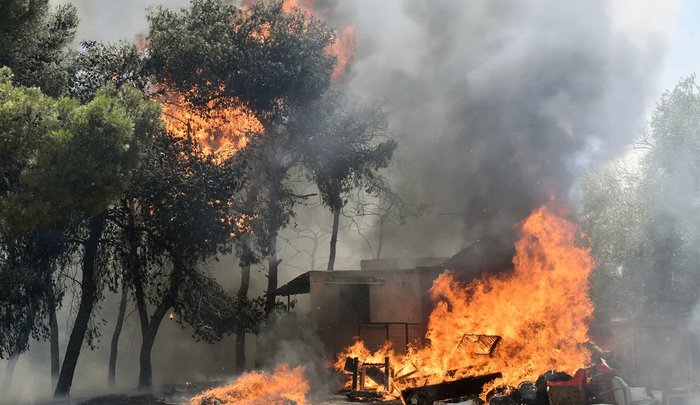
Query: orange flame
[540,310]
[219,131]
[305,5]
[343,47]
[285,384]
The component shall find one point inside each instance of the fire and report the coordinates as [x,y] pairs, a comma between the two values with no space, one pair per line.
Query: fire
[219,131]
[540,310]
[284,385]
[343,47]
[305,5]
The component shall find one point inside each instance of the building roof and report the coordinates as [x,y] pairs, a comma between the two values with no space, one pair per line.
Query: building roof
[401,263]
[487,254]
[298,285]
[302,283]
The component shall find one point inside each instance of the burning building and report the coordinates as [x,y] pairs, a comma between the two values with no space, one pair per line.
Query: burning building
[387,300]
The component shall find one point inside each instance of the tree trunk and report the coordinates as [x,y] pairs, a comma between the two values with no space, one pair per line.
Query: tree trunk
[114,347]
[134,268]
[88,294]
[334,238]
[145,370]
[314,249]
[242,293]
[55,355]
[149,337]
[273,267]
[272,261]
[247,258]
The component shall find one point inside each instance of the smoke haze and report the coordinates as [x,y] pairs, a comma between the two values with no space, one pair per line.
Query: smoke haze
[499,105]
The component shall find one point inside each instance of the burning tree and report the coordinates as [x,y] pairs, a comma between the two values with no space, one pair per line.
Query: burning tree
[183,184]
[262,59]
[178,214]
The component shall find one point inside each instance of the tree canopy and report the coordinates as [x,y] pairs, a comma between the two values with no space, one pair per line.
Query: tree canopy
[261,56]
[34,43]
[61,159]
[643,221]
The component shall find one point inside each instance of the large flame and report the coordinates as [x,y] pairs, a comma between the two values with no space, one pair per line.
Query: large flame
[343,47]
[218,131]
[540,310]
[284,385]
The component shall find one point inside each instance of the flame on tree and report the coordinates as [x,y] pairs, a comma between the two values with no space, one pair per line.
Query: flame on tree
[262,59]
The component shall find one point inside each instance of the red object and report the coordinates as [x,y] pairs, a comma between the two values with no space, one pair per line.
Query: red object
[599,382]
[572,392]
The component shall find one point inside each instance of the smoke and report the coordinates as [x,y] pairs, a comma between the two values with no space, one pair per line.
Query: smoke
[294,341]
[500,106]
[111,21]
[177,358]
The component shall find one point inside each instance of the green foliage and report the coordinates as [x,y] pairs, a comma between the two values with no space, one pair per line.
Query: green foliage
[263,57]
[211,313]
[62,160]
[344,146]
[644,226]
[185,216]
[35,41]
[26,117]
[99,65]
[186,199]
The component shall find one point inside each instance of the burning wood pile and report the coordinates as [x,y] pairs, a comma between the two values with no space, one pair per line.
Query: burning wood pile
[592,385]
[500,330]
[519,323]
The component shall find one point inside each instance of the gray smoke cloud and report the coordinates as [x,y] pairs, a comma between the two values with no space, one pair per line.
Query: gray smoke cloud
[111,21]
[499,106]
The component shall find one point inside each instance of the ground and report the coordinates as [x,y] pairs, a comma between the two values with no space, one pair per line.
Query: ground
[151,400]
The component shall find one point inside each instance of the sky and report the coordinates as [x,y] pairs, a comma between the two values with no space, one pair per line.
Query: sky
[683,57]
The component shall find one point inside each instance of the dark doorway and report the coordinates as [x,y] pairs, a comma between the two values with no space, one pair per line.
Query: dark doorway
[354,303]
